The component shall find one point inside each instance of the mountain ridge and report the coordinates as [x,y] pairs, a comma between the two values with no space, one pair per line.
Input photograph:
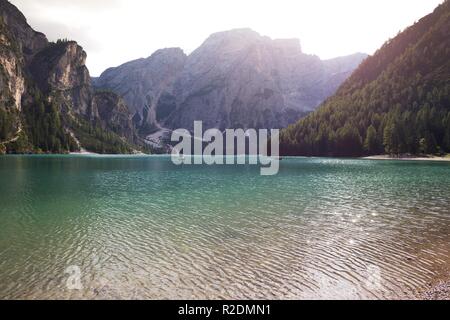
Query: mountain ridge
[236,78]
[204,87]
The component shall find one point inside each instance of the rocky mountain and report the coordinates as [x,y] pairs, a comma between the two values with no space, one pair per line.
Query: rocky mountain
[396,102]
[113,114]
[15,25]
[47,102]
[60,69]
[235,79]
[141,82]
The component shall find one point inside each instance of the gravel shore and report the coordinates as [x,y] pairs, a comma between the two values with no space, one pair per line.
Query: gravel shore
[438,292]
[408,158]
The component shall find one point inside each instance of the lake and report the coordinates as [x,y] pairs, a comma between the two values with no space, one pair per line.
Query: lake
[123,227]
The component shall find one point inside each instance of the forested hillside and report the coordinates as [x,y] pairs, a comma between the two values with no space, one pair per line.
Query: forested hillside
[396,102]
[47,103]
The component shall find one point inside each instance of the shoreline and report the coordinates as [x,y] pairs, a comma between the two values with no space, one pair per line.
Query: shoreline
[84,152]
[406,158]
[378,157]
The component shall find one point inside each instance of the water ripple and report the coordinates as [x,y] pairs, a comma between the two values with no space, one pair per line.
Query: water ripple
[141,228]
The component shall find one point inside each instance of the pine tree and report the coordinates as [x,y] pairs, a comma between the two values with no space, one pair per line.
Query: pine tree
[371,144]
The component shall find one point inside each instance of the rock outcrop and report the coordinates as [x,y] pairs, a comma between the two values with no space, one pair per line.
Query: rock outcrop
[60,69]
[28,41]
[12,81]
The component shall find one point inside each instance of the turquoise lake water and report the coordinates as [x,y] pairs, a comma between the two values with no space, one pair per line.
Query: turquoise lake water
[143,228]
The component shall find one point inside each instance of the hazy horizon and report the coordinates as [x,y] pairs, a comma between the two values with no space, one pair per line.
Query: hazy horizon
[113,32]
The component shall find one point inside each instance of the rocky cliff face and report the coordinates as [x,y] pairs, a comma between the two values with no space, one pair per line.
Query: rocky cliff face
[12,82]
[46,90]
[142,82]
[235,79]
[60,70]
[114,114]
[27,40]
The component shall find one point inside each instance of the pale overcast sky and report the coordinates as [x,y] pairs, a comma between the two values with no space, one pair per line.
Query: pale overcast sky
[115,31]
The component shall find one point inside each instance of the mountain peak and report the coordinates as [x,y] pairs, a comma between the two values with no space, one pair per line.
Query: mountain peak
[235,38]
[168,52]
[30,40]
[238,32]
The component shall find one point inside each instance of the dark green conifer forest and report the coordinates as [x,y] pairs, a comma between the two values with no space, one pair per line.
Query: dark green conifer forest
[396,102]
